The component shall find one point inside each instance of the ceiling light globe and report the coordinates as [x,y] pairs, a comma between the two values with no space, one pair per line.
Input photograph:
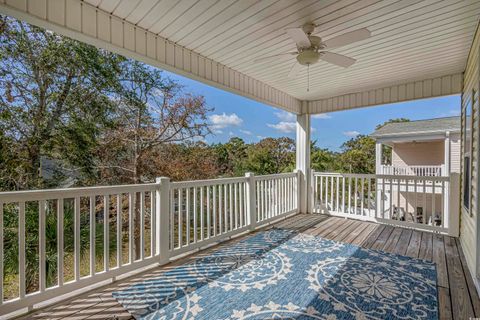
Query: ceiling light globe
[308,57]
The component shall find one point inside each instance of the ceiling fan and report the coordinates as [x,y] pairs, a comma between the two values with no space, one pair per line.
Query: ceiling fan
[311,49]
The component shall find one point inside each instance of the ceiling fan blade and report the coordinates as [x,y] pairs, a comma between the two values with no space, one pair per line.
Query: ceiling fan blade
[347,38]
[294,70]
[337,59]
[300,38]
[273,56]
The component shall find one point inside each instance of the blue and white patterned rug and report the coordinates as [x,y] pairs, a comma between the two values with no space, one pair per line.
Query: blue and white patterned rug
[277,274]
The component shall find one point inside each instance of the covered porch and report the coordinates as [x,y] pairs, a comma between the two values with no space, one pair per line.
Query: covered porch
[457,295]
[181,221]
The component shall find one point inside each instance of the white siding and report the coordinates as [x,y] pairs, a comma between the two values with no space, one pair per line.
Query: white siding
[407,91]
[455,153]
[429,153]
[468,225]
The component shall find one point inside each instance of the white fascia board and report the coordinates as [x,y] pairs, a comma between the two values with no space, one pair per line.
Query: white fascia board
[406,91]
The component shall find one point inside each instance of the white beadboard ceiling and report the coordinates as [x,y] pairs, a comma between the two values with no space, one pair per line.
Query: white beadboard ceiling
[411,39]
[418,48]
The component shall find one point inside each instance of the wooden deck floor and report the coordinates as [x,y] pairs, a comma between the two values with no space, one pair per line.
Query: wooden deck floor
[457,296]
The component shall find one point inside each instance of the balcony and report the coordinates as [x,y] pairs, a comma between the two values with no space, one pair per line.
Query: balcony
[160,249]
[167,222]
[422,171]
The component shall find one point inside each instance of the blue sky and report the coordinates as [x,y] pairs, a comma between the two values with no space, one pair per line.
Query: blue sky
[234,115]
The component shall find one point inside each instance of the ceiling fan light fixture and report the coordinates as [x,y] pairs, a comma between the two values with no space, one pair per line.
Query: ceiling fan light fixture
[308,57]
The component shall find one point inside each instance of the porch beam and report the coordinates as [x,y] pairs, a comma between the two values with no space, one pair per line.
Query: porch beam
[302,163]
[400,92]
[81,21]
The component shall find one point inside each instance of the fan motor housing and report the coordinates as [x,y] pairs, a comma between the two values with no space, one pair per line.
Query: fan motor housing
[308,57]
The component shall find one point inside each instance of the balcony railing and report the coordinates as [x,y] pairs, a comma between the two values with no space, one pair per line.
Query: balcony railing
[422,171]
[89,235]
[422,202]
[148,223]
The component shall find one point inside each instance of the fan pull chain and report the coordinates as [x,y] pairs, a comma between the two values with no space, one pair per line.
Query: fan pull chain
[308,77]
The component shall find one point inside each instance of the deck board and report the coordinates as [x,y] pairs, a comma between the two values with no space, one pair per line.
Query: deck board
[456,292]
[460,297]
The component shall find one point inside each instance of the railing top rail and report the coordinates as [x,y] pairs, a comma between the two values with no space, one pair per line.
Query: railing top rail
[48,194]
[207,182]
[275,176]
[346,175]
[412,166]
[412,177]
[383,176]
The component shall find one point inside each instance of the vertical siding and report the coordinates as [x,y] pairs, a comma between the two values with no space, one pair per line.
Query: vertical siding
[455,153]
[468,225]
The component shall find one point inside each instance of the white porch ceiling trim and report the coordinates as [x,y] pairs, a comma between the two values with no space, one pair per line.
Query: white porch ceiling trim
[409,90]
[84,22]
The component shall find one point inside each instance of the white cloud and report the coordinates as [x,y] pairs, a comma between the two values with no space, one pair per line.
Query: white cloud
[284,126]
[248,133]
[351,133]
[286,116]
[221,121]
[260,137]
[321,116]
[231,133]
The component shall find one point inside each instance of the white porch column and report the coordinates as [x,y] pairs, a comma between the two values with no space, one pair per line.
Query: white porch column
[446,166]
[378,157]
[303,161]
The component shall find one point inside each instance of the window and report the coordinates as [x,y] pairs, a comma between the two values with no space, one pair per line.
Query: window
[466,182]
[467,147]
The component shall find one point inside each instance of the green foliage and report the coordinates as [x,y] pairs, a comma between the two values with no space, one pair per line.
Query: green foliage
[395,120]
[270,155]
[358,155]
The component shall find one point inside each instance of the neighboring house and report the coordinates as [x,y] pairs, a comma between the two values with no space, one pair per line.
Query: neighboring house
[428,148]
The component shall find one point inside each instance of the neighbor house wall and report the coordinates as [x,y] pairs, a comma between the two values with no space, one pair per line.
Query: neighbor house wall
[418,153]
[455,153]
[469,216]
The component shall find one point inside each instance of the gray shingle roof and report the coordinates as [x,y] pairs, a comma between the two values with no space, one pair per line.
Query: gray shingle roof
[418,126]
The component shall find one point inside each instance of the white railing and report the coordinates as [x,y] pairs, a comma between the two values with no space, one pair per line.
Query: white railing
[412,201]
[422,171]
[276,195]
[133,226]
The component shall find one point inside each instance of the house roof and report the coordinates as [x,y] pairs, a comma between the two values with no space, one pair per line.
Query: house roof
[418,127]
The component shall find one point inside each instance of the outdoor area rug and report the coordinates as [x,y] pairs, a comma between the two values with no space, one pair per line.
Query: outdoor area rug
[277,274]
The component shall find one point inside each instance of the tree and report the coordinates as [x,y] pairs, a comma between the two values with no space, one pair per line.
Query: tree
[151,110]
[395,120]
[323,160]
[46,83]
[188,161]
[231,156]
[271,155]
[358,155]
